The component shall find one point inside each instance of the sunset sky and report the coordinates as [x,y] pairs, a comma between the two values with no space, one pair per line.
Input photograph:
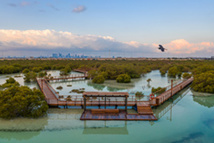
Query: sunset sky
[131,28]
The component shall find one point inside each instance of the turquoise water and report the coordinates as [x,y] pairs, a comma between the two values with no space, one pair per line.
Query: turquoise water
[139,84]
[185,119]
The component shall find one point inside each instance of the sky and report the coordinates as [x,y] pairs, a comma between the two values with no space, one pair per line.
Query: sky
[107,27]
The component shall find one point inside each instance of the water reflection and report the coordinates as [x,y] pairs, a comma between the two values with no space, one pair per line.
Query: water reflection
[112,85]
[160,111]
[99,87]
[204,101]
[106,129]
[148,85]
[18,135]
[21,128]
[113,89]
[23,124]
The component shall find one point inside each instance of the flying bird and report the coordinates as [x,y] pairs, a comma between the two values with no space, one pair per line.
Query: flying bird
[161,48]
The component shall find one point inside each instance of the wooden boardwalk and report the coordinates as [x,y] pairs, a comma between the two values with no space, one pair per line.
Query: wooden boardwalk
[49,94]
[68,77]
[160,99]
[143,107]
[84,76]
[81,71]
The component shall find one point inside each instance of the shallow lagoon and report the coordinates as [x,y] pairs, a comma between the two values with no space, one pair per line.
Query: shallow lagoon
[139,84]
[184,119]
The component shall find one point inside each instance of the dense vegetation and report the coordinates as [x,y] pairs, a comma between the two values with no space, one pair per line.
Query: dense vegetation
[30,76]
[174,71]
[21,101]
[186,75]
[98,79]
[65,71]
[158,90]
[204,79]
[123,78]
[112,69]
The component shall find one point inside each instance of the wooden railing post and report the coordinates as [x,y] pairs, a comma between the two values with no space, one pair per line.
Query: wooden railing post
[84,98]
[171,87]
[76,101]
[42,83]
[105,102]
[126,104]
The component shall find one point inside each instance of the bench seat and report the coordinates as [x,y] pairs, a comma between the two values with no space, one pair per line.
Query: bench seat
[102,111]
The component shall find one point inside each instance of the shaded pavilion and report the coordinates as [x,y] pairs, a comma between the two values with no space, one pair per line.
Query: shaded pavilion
[103,97]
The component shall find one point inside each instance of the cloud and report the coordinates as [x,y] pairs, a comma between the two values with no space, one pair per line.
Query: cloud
[182,46]
[53,7]
[12,4]
[51,40]
[79,9]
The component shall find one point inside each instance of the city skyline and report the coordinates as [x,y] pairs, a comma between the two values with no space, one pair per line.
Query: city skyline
[100,28]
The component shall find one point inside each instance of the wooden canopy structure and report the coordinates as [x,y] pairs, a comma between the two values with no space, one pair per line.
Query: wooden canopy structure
[105,95]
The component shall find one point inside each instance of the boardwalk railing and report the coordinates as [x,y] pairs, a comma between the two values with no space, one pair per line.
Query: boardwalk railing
[170,92]
[77,76]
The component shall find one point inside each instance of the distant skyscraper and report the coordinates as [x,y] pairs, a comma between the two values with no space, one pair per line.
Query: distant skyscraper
[54,55]
[60,55]
[68,55]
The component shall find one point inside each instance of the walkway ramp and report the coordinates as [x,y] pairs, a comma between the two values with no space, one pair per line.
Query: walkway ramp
[144,108]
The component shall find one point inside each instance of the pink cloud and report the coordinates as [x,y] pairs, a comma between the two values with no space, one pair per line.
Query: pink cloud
[182,46]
